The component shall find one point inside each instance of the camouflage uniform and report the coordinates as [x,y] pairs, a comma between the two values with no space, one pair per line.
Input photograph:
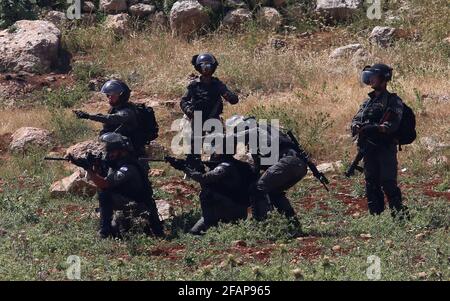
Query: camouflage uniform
[380,153]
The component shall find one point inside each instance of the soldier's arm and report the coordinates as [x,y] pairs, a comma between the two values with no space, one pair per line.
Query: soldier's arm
[357,119]
[98,180]
[186,103]
[213,176]
[393,117]
[227,94]
[121,117]
[118,177]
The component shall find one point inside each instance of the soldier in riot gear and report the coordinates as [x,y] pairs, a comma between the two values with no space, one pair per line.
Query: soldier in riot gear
[377,120]
[205,93]
[224,196]
[275,179]
[123,117]
[125,187]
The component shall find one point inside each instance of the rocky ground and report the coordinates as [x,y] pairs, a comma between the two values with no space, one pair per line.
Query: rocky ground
[303,73]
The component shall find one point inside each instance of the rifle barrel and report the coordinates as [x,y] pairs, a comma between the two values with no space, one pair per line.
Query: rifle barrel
[55,159]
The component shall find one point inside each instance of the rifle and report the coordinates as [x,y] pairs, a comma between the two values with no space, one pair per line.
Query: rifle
[363,145]
[181,164]
[306,158]
[87,163]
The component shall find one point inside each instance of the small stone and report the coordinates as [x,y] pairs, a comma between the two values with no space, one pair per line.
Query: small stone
[365,235]
[298,274]
[336,248]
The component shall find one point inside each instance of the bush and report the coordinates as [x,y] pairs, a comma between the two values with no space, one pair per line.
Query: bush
[67,128]
[14,10]
[64,97]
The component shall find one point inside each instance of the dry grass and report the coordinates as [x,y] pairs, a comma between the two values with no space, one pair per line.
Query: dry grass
[12,119]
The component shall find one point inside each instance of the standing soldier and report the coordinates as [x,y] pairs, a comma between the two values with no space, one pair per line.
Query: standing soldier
[205,93]
[376,123]
[136,122]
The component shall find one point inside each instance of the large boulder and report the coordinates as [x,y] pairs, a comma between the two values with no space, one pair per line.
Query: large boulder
[119,24]
[165,210]
[345,51]
[80,150]
[142,10]
[236,18]
[113,6]
[75,184]
[30,46]
[382,36]
[188,17]
[338,9]
[269,17]
[26,137]
[56,17]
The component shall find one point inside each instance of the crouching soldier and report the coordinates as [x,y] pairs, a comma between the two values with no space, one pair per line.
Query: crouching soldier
[273,179]
[225,191]
[125,187]
[376,123]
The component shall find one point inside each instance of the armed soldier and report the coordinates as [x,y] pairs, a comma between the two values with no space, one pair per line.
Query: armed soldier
[275,179]
[377,122]
[205,93]
[225,190]
[125,186]
[136,122]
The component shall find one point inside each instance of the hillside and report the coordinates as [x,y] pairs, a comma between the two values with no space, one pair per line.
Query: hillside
[286,65]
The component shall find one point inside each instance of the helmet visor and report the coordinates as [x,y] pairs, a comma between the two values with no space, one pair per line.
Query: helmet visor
[367,76]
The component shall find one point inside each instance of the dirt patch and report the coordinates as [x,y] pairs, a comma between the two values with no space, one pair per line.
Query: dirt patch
[18,86]
[169,252]
[180,190]
[307,248]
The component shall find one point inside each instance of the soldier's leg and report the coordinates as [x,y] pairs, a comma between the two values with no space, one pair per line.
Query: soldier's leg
[199,227]
[152,215]
[388,176]
[108,202]
[280,177]
[209,208]
[374,194]
[281,202]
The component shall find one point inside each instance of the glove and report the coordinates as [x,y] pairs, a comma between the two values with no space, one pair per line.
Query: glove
[355,128]
[81,114]
[370,129]
[80,162]
[190,113]
[193,174]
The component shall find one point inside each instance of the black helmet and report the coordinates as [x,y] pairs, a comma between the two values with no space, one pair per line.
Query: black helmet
[376,70]
[117,87]
[204,61]
[116,141]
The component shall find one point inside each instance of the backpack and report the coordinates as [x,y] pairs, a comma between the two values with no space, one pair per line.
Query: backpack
[147,129]
[406,132]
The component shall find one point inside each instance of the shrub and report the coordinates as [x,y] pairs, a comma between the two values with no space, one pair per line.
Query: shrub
[14,10]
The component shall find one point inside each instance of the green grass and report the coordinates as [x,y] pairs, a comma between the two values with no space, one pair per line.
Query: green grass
[42,232]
